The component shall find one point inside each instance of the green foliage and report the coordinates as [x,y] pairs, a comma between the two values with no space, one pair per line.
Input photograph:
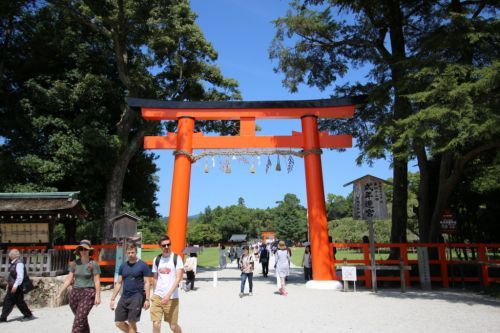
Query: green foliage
[338,207]
[475,201]
[65,69]
[412,203]
[201,233]
[432,86]
[315,45]
[347,230]
[459,108]
[290,219]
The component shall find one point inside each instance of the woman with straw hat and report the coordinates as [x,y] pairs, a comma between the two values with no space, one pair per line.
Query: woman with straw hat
[282,258]
[86,291]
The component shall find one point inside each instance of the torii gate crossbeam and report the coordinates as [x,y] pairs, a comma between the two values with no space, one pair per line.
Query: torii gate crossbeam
[310,140]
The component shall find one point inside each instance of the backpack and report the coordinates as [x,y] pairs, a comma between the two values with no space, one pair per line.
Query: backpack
[157,260]
[264,256]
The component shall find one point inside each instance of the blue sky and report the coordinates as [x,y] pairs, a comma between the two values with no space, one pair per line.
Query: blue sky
[241,32]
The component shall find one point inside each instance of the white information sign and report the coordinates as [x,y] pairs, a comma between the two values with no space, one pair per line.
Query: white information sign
[349,273]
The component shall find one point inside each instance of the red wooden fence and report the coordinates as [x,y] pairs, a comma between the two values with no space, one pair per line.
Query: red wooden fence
[444,261]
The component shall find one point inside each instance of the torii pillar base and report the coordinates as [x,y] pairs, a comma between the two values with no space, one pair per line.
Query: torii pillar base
[324,285]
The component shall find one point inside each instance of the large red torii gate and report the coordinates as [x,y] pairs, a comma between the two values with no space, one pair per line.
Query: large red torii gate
[310,140]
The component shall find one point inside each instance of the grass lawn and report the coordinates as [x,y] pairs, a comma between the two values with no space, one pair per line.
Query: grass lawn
[298,253]
[208,258]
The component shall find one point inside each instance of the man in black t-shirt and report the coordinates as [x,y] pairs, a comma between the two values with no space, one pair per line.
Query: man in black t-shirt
[135,276]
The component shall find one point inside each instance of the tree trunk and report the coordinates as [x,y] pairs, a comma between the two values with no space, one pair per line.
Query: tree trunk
[423,194]
[399,201]
[447,182]
[450,172]
[401,110]
[114,188]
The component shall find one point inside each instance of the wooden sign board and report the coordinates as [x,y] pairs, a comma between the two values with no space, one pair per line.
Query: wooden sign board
[24,233]
[448,223]
[369,199]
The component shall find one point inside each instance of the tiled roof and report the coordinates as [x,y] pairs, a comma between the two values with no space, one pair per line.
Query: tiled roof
[41,203]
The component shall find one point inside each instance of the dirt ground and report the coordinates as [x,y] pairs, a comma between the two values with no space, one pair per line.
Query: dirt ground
[220,309]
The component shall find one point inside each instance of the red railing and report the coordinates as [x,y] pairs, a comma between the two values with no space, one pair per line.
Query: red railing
[479,254]
[96,254]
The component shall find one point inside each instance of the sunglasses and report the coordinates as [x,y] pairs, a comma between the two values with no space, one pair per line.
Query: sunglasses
[165,245]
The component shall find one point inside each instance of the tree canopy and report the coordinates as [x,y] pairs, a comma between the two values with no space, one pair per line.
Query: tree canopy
[65,70]
[430,93]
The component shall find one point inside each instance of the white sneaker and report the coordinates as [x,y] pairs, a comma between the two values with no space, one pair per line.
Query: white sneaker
[241,295]
[250,294]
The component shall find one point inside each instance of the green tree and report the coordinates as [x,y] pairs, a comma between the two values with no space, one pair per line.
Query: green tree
[66,69]
[455,97]
[290,219]
[379,34]
[475,201]
[347,230]
[338,207]
[160,34]
[58,103]
[202,233]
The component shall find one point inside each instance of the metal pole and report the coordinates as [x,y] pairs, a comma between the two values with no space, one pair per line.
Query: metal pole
[372,255]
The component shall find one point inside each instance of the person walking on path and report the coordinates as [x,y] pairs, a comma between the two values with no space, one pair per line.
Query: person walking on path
[238,254]
[232,254]
[307,263]
[168,271]
[264,260]
[282,258]
[222,256]
[190,268]
[86,291]
[246,265]
[135,277]
[15,293]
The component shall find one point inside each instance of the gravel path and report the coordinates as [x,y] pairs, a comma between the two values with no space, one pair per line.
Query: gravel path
[219,309]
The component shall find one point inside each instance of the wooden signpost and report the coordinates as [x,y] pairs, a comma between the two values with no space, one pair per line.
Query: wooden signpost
[369,205]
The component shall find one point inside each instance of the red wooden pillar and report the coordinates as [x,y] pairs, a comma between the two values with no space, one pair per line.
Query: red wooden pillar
[179,200]
[403,250]
[318,226]
[367,262]
[483,258]
[444,265]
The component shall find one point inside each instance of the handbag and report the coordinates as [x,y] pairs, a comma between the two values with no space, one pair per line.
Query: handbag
[27,284]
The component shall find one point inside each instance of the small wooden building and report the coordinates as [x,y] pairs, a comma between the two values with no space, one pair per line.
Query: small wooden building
[30,218]
[238,238]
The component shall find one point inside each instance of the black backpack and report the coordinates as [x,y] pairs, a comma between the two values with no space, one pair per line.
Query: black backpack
[157,260]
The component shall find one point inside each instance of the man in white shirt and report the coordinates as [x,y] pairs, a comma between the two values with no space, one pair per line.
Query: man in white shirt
[168,270]
[15,294]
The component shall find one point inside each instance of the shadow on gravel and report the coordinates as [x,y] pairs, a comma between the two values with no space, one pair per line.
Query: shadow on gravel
[451,296]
